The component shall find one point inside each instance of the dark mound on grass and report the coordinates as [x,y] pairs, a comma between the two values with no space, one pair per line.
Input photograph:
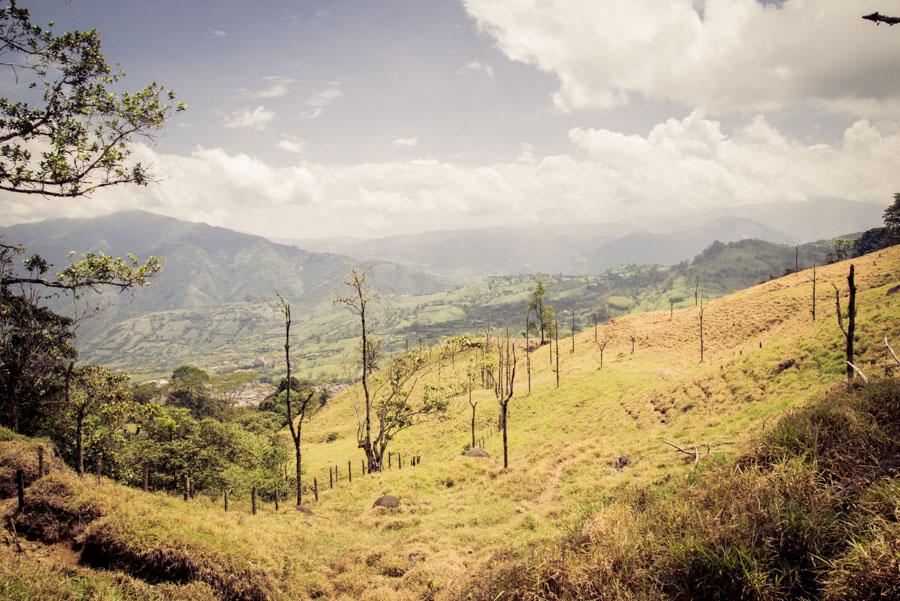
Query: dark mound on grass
[476,452]
[388,502]
[811,513]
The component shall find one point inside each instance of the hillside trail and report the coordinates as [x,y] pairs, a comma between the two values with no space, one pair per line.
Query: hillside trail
[565,458]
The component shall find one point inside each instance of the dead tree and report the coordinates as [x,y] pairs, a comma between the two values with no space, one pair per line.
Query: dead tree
[602,346]
[303,404]
[573,330]
[357,302]
[671,309]
[702,348]
[633,338]
[556,335]
[813,309]
[503,386]
[697,292]
[797,258]
[473,404]
[528,348]
[850,331]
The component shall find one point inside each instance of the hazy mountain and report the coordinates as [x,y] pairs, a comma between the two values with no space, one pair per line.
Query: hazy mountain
[206,266]
[591,248]
[819,219]
[646,248]
[467,255]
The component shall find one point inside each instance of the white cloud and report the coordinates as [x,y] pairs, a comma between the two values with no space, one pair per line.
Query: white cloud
[321,98]
[723,55]
[276,87]
[246,117]
[476,67]
[405,142]
[219,33]
[292,145]
[681,165]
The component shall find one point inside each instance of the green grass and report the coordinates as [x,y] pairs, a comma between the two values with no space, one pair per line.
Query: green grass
[459,514]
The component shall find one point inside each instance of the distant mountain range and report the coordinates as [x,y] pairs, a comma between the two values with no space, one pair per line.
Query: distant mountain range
[207,266]
[466,255]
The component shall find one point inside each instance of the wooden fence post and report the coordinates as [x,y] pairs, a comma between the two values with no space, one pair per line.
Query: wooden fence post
[389,459]
[349,473]
[253,499]
[399,462]
[330,478]
[226,499]
[40,452]
[276,499]
[20,488]
[362,467]
[316,489]
[146,479]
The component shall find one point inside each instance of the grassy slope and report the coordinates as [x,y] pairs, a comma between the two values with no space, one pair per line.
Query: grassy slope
[248,333]
[457,512]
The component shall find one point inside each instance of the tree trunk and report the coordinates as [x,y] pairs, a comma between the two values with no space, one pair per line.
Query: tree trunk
[503,410]
[851,322]
[298,457]
[79,440]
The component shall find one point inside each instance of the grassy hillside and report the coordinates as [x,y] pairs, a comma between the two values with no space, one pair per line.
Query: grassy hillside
[595,441]
[246,334]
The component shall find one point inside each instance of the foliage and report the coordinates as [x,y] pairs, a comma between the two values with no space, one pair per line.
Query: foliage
[71,133]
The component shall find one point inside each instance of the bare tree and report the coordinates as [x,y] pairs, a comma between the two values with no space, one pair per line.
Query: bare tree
[573,330]
[633,338]
[556,335]
[702,347]
[503,385]
[357,302]
[697,292]
[813,309]
[528,348]
[671,309]
[303,404]
[470,381]
[850,331]
[602,346]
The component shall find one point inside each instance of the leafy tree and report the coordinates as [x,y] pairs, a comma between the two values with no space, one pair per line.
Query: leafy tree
[89,388]
[892,218]
[536,304]
[190,387]
[73,135]
[36,344]
[841,247]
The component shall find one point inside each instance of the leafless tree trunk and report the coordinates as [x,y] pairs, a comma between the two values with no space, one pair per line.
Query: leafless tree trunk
[813,310]
[797,258]
[358,301]
[697,292]
[503,386]
[556,335]
[296,431]
[850,331]
[702,348]
[602,346]
[671,308]
[633,339]
[528,349]
[573,330]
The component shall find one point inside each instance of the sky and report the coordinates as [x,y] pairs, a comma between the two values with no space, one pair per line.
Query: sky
[369,118]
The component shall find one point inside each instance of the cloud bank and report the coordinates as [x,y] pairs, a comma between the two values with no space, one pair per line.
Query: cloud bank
[681,165]
[720,55]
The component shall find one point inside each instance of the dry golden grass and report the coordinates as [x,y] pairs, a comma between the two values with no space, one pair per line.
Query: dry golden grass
[457,513]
